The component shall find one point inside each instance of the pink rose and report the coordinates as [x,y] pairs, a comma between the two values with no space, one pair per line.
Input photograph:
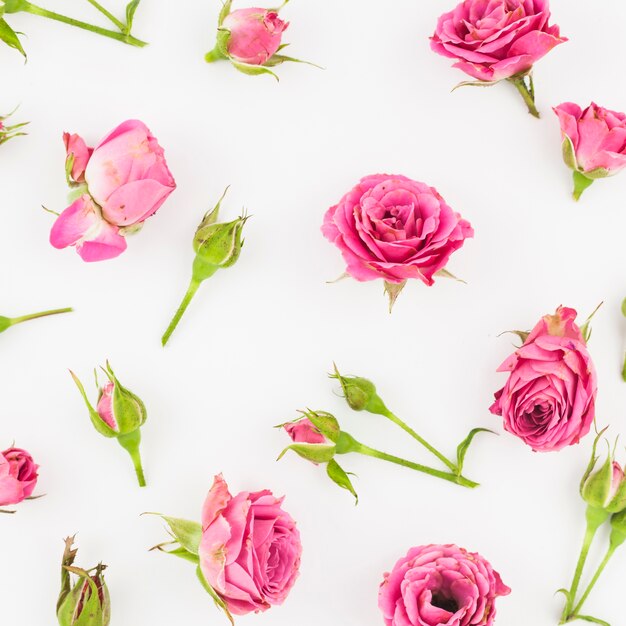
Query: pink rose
[255,35]
[395,228]
[250,548]
[303,431]
[548,400]
[127,180]
[18,476]
[439,585]
[496,39]
[594,142]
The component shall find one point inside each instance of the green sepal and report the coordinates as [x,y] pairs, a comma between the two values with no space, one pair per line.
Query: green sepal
[599,172]
[210,217]
[188,534]
[129,410]
[253,70]
[593,460]
[326,423]
[581,182]
[218,601]
[102,427]
[594,620]
[9,36]
[69,164]
[522,334]
[463,447]
[444,273]
[569,153]
[180,552]
[224,12]
[393,290]
[585,329]
[476,83]
[278,59]
[618,529]
[314,452]
[221,42]
[340,477]
[131,8]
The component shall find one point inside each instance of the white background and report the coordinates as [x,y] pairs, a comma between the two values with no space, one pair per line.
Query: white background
[258,340]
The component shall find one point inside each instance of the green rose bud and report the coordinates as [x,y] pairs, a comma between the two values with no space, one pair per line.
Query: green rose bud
[85,601]
[360,394]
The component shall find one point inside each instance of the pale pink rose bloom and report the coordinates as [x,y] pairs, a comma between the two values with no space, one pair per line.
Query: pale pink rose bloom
[439,585]
[549,398]
[255,35]
[394,228]
[250,548]
[105,406]
[303,431]
[496,39]
[81,225]
[598,136]
[18,476]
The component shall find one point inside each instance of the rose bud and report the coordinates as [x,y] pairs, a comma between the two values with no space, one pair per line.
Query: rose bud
[247,549]
[217,246]
[360,393]
[594,142]
[250,39]
[119,413]
[379,228]
[85,602]
[10,131]
[125,180]
[440,584]
[18,476]
[549,398]
[498,40]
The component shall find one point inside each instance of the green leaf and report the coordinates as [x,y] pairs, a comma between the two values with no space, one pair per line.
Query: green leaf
[218,601]
[253,70]
[463,447]
[188,534]
[341,478]
[9,36]
[224,12]
[131,7]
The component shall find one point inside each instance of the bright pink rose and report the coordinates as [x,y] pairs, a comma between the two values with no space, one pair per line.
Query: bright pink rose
[496,39]
[127,181]
[255,35]
[440,585]
[594,139]
[303,431]
[250,548]
[549,398]
[18,476]
[394,228]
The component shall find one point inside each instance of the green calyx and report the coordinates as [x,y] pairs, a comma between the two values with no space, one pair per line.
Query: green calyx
[128,409]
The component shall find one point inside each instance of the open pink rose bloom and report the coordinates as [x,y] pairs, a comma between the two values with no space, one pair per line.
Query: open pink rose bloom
[250,548]
[18,476]
[549,398]
[125,179]
[439,585]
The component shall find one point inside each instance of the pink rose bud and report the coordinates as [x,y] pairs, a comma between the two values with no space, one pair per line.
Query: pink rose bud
[18,476]
[10,131]
[250,39]
[248,549]
[497,40]
[125,180]
[549,398]
[303,431]
[85,602]
[441,584]
[395,229]
[119,413]
[594,142]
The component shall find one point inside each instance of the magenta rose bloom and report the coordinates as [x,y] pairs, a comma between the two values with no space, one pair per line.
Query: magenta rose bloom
[395,228]
[18,476]
[126,180]
[250,548]
[594,142]
[440,585]
[549,398]
[493,40]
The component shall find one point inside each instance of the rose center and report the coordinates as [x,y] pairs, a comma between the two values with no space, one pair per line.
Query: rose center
[443,602]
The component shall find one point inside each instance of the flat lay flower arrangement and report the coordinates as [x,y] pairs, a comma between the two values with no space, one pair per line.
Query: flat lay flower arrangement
[403,403]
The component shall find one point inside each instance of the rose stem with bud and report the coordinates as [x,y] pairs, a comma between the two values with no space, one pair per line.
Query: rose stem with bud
[7,322]
[527,93]
[453,478]
[23,5]
[595,519]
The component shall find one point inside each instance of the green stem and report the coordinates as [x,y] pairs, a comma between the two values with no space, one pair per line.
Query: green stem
[594,580]
[191,292]
[396,420]
[214,55]
[33,316]
[130,443]
[528,94]
[453,478]
[581,182]
[595,519]
[128,39]
[107,14]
